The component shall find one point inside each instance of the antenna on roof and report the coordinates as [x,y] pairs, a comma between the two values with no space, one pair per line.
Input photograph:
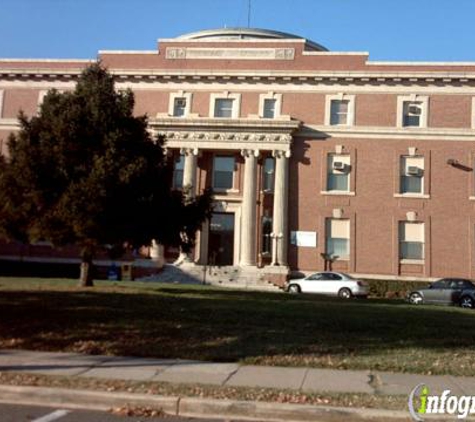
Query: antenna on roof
[249,14]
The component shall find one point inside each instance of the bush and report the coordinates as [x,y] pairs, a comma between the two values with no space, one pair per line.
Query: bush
[393,289]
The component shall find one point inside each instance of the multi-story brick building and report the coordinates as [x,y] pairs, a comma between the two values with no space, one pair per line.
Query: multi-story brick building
[314,155]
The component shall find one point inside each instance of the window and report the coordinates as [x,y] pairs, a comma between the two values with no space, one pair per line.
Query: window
[412,113]
[178,172]
[266,235]
[338,173]
[179,104]
[223,173]
[270,105]
[223,107]
[179,107]
[339,112]
[338,238]
[268,175]
[269,108]
[412,175]
[411,240]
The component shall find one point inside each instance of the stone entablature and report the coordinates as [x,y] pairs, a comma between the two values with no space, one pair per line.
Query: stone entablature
[226,134]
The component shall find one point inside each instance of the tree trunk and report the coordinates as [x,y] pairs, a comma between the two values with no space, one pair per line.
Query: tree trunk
[85,277]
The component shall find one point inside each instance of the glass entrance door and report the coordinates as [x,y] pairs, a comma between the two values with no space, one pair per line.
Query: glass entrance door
[221,239]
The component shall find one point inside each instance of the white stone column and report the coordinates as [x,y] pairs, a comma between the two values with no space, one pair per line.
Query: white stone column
[189,180]
[249,212]
[189,170]
[281,200]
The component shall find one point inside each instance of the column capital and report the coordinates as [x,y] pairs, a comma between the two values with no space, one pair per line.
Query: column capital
[189,151]
[281,154]
[246,153]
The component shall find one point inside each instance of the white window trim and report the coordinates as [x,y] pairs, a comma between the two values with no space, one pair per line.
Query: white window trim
[278,104]
[420,195]
[225,95]
[423,99]
[473,113]
[2,95]
[171,102]
[351,108]
[347,192]
[409,260]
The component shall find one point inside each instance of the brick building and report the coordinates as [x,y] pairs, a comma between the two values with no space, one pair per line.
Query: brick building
[314,156]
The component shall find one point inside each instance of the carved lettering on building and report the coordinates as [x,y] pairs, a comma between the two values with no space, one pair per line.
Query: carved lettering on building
[230,53]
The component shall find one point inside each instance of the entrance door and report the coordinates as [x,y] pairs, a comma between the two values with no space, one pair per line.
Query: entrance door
[221,239]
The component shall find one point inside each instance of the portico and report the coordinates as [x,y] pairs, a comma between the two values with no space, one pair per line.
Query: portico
[234,234]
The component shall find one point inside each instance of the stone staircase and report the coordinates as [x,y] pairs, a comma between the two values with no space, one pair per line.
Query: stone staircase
[224,276]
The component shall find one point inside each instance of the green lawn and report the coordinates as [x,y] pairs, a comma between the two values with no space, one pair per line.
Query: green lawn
[195,322]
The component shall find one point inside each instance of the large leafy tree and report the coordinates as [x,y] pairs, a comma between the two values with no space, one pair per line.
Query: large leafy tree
[86,171]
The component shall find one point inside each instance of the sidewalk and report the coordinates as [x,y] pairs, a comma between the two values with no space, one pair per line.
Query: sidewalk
[306,380]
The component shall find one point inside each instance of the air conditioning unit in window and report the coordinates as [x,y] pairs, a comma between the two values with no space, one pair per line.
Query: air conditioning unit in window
[414,171]
[180,102]
[414,110]
[339,165]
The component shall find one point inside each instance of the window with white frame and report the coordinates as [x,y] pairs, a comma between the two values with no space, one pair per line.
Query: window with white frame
[338,238]
[412,175]
[412,111]
[179,104]
[179,107]
[178,172]
[338,173]
[269,108]
[411,240]
[270,105]
[223,107]
[268,174]
[223,172]
[340,110]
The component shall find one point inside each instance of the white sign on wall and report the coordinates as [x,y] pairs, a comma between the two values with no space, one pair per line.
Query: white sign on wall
[307,239]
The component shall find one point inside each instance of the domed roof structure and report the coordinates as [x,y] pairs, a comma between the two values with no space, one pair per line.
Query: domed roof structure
[248,34]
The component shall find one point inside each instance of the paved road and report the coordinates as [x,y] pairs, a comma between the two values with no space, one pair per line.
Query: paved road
[19,413]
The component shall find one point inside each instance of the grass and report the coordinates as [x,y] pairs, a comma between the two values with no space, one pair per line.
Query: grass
[206,323]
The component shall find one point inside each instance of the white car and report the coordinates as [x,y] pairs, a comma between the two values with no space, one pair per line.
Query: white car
[329,283]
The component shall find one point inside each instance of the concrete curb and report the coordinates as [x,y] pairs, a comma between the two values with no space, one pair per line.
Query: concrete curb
[193,407]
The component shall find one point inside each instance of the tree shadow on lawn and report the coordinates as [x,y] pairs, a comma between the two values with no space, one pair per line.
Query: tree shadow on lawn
[220,325]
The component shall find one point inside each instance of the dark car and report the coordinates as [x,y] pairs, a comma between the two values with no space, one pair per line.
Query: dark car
[446,291]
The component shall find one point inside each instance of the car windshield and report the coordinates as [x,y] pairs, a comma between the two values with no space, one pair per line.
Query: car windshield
[349,277]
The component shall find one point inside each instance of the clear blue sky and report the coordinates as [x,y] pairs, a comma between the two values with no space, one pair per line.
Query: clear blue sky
[428,30]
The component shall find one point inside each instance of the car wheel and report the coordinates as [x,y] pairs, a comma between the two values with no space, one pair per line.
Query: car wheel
[415,298]
[344,293]
[467,302]
[294,288]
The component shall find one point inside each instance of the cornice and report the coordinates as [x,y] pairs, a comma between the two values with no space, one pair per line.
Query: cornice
[228,125]
[389,133]
[403,77]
